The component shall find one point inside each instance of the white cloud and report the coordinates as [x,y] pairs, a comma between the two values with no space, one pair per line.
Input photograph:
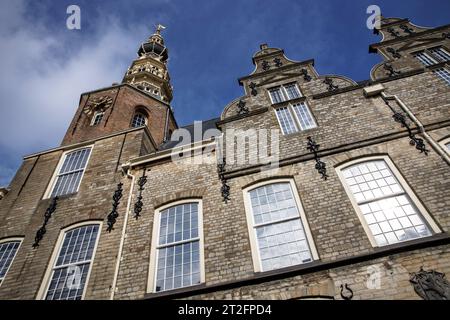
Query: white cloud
[43,75]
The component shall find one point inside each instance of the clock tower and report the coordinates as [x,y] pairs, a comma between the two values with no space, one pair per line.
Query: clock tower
[141,100]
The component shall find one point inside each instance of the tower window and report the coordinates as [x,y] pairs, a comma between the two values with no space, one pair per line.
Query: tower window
[444,74]
[69,176]
[178,243]
[385,204]
[139,120]
[284,93]
[8,250]
[97,118]
[279,234]
[70,271]
[295,116]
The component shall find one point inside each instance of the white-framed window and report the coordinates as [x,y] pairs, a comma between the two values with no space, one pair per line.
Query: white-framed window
[279,233]
[177,258]
[445,143]
[440,54]
[69,172]
[444,74]
[425,58]
[97,118]
[8,251]
[285,92]
[139,120]
[71,263]
[388,209]
[295,116]
[286,120]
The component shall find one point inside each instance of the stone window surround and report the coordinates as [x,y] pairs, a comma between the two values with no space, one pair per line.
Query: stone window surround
[407,189]
[48,273]
[151,282]
[250,223]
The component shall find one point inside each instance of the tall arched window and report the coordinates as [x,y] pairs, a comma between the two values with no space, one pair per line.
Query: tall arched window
[279,232]
[8,250]
[177,247]
[139,120]
[387,207]
[69,274]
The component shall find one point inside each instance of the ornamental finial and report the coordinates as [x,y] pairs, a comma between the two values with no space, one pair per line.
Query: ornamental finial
[159,27]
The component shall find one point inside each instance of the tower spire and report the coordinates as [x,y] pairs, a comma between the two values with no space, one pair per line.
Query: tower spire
[149,71]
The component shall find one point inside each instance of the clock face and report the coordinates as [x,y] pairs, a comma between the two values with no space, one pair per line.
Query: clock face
[98,104]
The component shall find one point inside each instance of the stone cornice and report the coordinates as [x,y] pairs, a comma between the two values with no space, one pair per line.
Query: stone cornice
[282,68]
[373,47]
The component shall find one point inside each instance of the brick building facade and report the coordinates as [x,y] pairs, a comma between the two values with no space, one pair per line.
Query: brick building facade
[352,203]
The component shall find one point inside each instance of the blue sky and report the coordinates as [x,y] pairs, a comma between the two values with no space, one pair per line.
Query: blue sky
[45,66]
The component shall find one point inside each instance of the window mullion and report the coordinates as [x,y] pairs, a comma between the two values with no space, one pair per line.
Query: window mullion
[297,120]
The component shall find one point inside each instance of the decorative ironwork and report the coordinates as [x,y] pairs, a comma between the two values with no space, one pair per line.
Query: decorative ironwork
[225,189]
[414,141]
[277,62]
[252,86]
[393,32]
[430,285]
[400,118]
[406,29]
[242,109]
[321,167]
[113,215]
[330,84]
[139,204]
[394,52]
[389,68]
[349,294]
[306,76]
[48,214]
[265,65]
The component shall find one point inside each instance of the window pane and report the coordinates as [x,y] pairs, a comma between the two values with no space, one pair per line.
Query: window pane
[178,264]
[282,245]
[387,209]
[424,58]
[276,95]
[72,264]
[292,91]
[273,203]
[440,54]
[8,251]
[138,120]
[286,121]
[444,74]
[279,230]
[69,176]
[304,116]
[97,118]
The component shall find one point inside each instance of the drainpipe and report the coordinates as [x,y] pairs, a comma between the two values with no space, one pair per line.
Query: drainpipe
[125,168]
[379,89]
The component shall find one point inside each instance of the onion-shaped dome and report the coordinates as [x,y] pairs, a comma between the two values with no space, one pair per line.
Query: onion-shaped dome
[154,45]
